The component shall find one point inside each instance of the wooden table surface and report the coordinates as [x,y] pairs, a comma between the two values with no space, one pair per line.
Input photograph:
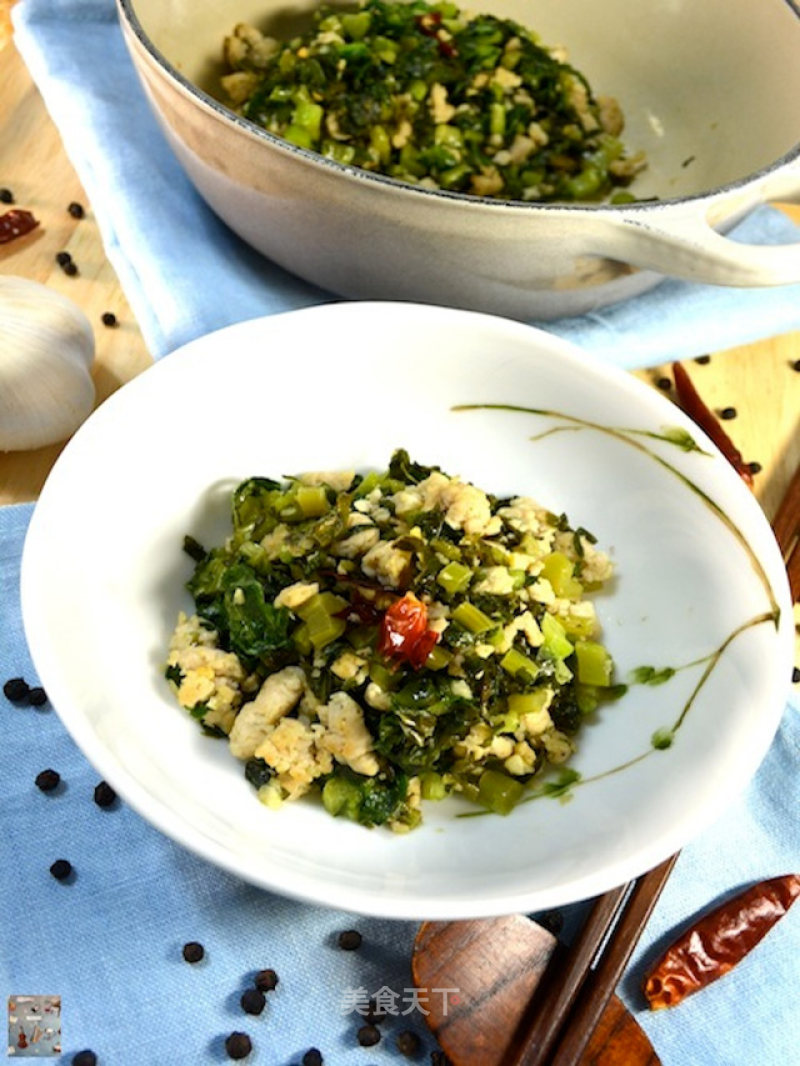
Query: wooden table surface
[761,381]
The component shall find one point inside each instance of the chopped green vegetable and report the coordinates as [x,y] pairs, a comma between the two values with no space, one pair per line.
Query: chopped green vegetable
[387,639]
[431,95]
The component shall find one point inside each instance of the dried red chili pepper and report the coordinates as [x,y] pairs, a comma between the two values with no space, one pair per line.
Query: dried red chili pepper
[718,941]
[690,401]
[16,223]
[404,632]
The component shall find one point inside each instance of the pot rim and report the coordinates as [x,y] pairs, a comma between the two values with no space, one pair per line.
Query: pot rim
[384,181]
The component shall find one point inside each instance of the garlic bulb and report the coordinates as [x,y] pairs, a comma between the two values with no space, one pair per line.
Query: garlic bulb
[46,354]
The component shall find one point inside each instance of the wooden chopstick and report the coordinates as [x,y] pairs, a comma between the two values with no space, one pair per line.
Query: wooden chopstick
[574,994]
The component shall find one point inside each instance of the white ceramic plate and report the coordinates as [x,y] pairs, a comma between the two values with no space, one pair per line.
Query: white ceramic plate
[700,588]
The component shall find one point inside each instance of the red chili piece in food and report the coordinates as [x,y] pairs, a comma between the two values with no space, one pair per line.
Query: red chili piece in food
[404,632]
[718,941]
[16,223]
[690,401]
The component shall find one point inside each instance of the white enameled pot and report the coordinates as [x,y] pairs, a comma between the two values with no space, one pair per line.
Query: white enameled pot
[709,91]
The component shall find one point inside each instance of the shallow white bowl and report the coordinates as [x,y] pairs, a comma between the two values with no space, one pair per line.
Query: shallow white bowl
[709,91]
[700,586]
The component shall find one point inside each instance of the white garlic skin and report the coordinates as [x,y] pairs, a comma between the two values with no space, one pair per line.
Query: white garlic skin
[46,355]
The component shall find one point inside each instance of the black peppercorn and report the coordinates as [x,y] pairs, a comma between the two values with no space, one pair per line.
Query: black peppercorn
[6,196]
[70,269]
[754,467]
[408,1043]
[664,384]
[796,365]
[109,319]
[703,360]
[37,696]
[47,780]
[252,1001]
[369,1035]
[76,210]
[728,413]
[795,676]
[266,980]
[84,1058]
[313,1057]
[16,689]
[350,940]
[62,258]
[61,869]
[193,951]
[238,1046]
[104,794]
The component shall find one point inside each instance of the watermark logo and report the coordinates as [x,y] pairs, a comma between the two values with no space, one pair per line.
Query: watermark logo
[34,1026]
[387,1001]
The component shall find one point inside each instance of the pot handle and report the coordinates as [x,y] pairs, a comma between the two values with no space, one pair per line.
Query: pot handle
[684,245]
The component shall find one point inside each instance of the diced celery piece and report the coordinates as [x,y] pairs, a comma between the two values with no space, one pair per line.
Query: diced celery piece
[438,658]
[382,677]
[341,153]
[312,500]
[558,570]
[380,143]
[418,90]
[499,792]
[472,618]
[454,577]
[555,645]
[308,115]
[449,135]
[432,786]
[328,602]
[302,641]
[369,482]
[385,49]
[324,628]
[595,665]
[520,703]
[340,796]
[497,119]
[356,24]
[298,135]
[515,663]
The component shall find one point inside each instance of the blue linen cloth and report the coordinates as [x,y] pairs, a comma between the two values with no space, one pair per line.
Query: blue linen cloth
[162,239]
[109,941]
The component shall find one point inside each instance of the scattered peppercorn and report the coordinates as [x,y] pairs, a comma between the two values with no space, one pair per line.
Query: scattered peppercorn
[796,365]
[313,1057]
[61,869]
[6,196]
[408,1043]
[109,319]
[369,1035]
[76,210]
[350,940]
[703,360]
[70,269]
[728,413]
[266,980]
[62,258]
[795,676]
[104,794]
[84,1058]
[37,696]
[238,1046]
[193,951]
[755,468]
[47,780]
[664,384]
[16,689]
[253,1001]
